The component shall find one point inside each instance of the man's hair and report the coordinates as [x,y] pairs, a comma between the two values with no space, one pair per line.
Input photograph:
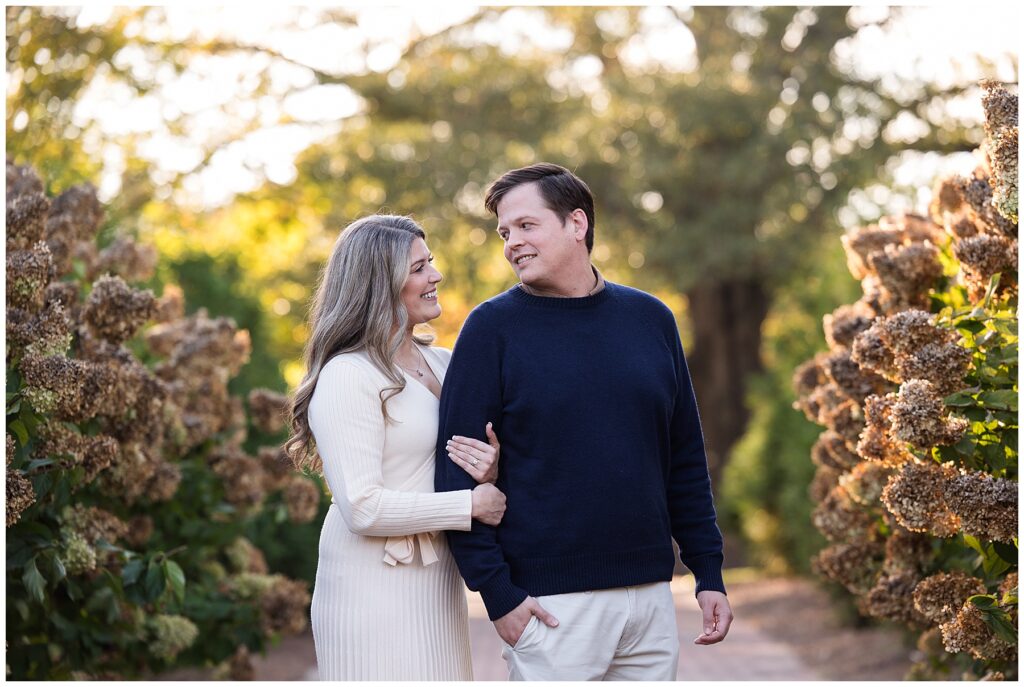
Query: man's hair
[561,190]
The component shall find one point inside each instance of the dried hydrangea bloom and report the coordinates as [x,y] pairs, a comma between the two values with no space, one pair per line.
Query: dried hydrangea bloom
[983,256]
[131,472]
[940,596]
[172,634]
[913,227]
[944,365]
[841,453]
[861,242]
[907,273]
[929,642]
[276,467]
[820,402]
[94,523]
[115,311]
[919,417]
[839,518]
[243,556]
[910,330]
[171,304]
[140,529]
[855,565]
[908,551]
[809,375]
[916,496]
[79,556]
[986,505]
[163,482]
[267,409]
[284,608]
[844,323]
[11,449]
[969,632]
[961,227]
[891,598]
[45,333]
[877,442]
[847,420]
[70,389]
[302,498]
[20,495]
[26,217]
[249,585]
[864,483]
[946,200]
[242,476]
[211,345]
[21,180]
[872,353]
[28,273]
[854,382]
[238,667]
[1001,127]
[976,193]
[825,479]
[75,215]
[1009,584]
[127,259]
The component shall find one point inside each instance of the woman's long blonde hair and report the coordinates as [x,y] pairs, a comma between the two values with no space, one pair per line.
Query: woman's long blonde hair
[357,306]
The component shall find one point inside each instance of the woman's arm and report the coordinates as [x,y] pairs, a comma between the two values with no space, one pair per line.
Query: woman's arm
[348,426]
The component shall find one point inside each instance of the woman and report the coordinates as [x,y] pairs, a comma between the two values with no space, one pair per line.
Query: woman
[389,603]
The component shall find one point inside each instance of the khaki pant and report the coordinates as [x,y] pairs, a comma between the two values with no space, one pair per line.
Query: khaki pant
[626,633]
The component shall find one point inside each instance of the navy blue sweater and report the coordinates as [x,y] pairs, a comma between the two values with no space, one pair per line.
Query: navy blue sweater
[602,456]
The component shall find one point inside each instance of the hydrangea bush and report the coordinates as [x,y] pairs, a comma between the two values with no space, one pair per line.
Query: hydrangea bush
[916,481]
[128,489]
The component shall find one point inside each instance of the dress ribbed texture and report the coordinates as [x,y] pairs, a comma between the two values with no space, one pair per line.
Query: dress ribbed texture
[371,619]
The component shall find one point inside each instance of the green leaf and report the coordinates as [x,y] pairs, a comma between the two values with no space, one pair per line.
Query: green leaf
[974,543]
[1008,552]
[999,621]
[176,576]
[982,600]
[155,582]
[960,399]
[33,581]
[131,572]
[19,429]
[1001,399]
[59,572]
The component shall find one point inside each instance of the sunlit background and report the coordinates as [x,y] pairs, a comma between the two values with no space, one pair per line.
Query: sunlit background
[728,149]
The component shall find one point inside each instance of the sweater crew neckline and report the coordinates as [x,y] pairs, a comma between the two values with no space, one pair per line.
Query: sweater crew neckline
[563,303]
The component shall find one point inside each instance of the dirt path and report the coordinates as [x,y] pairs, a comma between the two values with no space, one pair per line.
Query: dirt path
[785,629]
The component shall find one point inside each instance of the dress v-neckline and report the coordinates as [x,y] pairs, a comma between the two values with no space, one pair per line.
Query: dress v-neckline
[432,371]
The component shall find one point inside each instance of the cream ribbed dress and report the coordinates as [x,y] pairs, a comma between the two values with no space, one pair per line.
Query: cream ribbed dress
[389,603]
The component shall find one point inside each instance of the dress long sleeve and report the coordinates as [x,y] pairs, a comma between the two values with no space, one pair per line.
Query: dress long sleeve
[346,419]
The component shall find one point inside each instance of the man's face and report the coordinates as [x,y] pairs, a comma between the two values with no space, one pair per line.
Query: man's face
[537,244]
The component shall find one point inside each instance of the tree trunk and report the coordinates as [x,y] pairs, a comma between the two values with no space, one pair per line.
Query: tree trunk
[726,318]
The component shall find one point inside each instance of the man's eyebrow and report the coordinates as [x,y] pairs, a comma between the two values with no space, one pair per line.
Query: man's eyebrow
[517,220]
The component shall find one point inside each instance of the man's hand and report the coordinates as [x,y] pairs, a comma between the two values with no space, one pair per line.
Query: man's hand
[510,626]
[717,616]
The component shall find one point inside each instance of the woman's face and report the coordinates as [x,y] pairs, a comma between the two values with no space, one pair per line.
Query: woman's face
[419,295]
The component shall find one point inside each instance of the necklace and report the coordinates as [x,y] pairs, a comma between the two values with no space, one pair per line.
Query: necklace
[417,370]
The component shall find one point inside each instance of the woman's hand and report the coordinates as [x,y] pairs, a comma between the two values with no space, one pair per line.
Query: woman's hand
[480,460]
[488,504]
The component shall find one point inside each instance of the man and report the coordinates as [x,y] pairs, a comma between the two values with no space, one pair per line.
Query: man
[602,455]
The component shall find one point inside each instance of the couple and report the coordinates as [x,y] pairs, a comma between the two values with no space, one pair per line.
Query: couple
[601,460]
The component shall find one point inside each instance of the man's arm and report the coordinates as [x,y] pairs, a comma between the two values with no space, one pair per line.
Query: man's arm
[470,398]
[690,501]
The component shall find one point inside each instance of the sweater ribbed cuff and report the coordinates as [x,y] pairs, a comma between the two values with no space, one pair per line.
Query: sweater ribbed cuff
[707,573]
[500,595]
